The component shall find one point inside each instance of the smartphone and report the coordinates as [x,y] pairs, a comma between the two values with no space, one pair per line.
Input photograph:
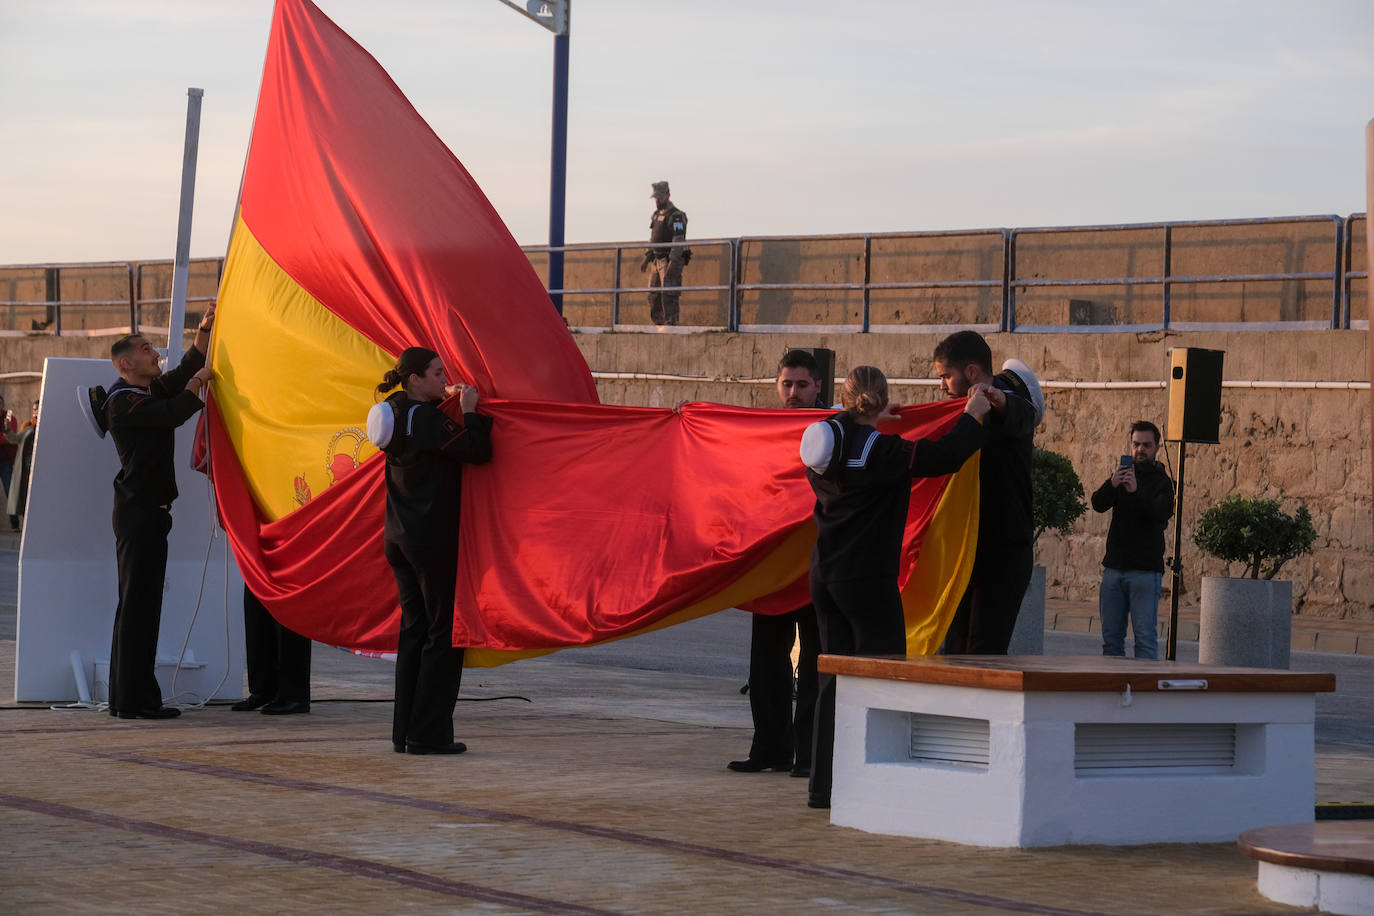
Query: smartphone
[1127,461]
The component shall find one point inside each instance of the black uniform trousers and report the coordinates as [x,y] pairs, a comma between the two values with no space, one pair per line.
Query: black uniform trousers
[428,667]
[141,554]
[856,617]
[987,613]
[278,658]
[782,737]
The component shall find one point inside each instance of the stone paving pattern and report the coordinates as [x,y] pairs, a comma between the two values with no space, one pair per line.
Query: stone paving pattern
[595,783]
[605,793]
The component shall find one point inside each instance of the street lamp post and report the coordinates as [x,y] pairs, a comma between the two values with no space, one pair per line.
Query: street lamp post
[554,15]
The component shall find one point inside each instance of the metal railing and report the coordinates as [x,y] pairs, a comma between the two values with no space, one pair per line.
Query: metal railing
[1167,280]
[1340,277]
[728,260]
[143,301]
[1347,274]
[127,275]
[51,303]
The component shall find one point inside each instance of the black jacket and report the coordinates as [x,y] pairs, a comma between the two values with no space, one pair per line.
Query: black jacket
[424,480]
[861,512]
[1004,474]
[143,423]
[1135,539]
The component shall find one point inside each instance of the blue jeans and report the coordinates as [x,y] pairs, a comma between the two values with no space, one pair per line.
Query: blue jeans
[1133,593]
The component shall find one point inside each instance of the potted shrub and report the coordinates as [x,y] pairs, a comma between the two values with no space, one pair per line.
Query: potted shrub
[1056,503]
[1247,621]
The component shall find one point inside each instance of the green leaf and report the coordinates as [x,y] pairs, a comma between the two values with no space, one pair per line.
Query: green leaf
[1056,493]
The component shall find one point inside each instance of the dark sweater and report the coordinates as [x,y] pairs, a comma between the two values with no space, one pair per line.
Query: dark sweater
[143,423]
[1004,475]
[1135,539]
[424,482]
[861,513]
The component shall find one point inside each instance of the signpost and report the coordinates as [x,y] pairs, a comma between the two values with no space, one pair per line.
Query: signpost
[553,15]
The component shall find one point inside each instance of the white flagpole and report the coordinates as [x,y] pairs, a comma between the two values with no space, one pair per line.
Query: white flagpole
[176,322]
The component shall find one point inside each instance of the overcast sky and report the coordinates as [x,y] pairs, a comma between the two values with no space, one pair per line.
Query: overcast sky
[796,117]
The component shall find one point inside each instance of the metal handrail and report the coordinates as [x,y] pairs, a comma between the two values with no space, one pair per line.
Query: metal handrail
[1347,275]
[735,286]
[619,248]
[140,301]
[56,305]
[1341,277]
[1166,281]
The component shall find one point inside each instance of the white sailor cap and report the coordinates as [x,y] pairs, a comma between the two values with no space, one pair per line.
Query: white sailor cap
[381,424]
[818,446]
[1027,378]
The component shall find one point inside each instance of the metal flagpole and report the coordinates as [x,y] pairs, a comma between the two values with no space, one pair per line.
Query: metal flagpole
[181,267]
[555,16]
[558,167]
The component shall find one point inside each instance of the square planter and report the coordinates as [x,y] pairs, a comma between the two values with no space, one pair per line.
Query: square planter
[1245,622]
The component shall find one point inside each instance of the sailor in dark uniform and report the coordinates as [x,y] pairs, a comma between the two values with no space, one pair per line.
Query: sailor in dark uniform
[278,663]
[862,481]
[425,450]
[1002,565]
[142,412]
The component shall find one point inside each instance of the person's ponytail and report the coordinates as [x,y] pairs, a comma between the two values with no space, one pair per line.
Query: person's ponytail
[412,361]
[389,381]
[865,391]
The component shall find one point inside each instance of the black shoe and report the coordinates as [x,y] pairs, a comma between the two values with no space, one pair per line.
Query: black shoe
[285,707]
[456,747]
[162,712]
[756,766]
[251,702]
[800,772]
[398,746]
[817,801]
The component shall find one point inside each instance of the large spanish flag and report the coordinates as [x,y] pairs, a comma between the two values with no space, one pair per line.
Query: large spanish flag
[359,234]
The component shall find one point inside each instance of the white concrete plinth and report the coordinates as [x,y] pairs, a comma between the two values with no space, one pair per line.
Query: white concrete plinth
[1330,892]
[1025,767]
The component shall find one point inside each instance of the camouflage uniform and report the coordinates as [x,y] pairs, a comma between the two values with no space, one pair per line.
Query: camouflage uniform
[668,224]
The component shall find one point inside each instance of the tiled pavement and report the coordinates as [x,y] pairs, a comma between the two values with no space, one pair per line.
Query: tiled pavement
[605,792]
[550,811]
[597,788]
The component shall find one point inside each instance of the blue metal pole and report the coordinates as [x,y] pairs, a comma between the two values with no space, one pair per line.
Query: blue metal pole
[558,171]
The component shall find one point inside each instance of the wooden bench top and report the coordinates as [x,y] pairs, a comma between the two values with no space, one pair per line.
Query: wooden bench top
[1340,846]
[1073,672]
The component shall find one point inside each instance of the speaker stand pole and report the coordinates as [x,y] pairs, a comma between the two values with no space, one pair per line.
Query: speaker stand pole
[1177,564]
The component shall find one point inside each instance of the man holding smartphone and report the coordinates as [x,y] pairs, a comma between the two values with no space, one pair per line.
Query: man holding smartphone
[1140,496]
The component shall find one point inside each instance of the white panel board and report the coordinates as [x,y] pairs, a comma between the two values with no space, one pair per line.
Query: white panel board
[67,577]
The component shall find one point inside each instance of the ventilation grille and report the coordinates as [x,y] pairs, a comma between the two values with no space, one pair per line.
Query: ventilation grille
[1102,749]
[947,739]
